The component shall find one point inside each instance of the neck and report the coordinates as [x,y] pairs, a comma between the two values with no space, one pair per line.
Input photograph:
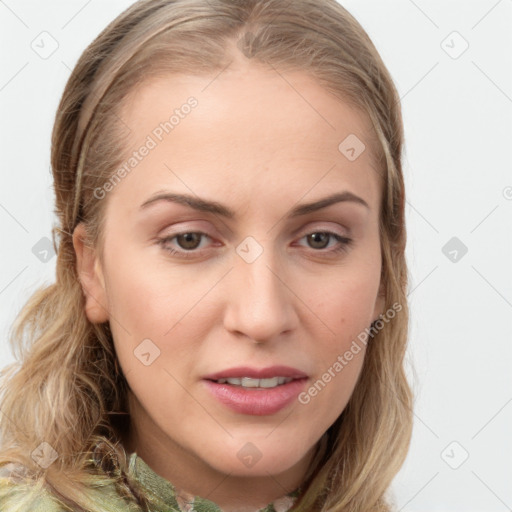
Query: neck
[192,475]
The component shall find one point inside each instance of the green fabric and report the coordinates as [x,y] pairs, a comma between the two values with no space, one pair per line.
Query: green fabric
[161,493]
[164,497]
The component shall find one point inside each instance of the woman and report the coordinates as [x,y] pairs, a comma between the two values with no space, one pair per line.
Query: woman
[229,320]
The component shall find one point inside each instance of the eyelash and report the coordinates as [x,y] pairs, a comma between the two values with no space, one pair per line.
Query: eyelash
[344,242]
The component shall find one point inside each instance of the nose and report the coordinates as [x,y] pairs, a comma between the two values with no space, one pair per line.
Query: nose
[260,303]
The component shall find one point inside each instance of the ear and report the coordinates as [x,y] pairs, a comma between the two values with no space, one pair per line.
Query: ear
[91,277]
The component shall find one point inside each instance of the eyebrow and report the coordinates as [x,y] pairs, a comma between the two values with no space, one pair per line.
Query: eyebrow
[214,207]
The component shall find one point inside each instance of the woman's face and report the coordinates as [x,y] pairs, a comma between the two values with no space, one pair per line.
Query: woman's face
[245,273]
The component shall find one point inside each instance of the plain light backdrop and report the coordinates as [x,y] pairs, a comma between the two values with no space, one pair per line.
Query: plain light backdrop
[451,61]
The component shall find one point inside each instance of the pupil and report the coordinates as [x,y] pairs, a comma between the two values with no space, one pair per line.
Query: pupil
[189,238]
[317,237]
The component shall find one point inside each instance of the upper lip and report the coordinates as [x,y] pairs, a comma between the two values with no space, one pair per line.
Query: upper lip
[257,373]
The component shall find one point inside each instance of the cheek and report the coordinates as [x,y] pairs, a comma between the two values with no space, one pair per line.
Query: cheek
[147,293]
[345,302]
[345,305]
[339,352]
[152,302]
[347,312]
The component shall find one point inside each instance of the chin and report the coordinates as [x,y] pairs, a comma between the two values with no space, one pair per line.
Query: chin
[251,461]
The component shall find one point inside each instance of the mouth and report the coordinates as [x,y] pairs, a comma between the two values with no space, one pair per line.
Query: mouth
[256,391]
[250,383]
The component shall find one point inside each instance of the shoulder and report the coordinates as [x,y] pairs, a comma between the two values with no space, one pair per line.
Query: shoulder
[18,495]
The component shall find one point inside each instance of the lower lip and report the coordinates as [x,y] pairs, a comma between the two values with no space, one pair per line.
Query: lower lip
[256,401]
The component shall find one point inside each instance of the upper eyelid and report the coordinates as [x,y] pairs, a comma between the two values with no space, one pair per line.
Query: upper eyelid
[306,230]
[295,232]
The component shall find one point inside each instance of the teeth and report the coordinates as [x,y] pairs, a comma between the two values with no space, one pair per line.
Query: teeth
[249,382]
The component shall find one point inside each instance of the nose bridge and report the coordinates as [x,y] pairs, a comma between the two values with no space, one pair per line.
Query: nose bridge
[259,304]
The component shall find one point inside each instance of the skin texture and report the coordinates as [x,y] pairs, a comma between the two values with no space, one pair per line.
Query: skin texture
[257,146]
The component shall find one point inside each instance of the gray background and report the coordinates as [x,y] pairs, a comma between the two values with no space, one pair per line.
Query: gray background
[457,109]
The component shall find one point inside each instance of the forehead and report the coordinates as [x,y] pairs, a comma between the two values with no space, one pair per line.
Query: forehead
[251,126]
[249,96]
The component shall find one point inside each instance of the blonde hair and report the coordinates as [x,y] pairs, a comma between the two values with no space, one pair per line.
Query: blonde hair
[68,386]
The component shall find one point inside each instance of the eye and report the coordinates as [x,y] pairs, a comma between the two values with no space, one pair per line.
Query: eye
[187,242]
[320,240]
